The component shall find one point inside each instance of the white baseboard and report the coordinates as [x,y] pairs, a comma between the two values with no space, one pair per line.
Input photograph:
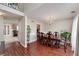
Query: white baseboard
[32,41]
[23,45]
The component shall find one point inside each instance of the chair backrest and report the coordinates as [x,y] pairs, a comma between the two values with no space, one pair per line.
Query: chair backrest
[41,35]
[56,34]
[52,36]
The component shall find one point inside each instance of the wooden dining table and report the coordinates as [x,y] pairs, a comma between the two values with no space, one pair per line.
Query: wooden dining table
[54,40]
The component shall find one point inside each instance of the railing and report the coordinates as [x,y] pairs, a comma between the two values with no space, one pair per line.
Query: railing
[11,5]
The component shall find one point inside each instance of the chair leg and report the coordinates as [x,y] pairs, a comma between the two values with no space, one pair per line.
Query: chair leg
[47,44]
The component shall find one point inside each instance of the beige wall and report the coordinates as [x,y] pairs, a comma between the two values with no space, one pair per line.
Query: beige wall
[61,25]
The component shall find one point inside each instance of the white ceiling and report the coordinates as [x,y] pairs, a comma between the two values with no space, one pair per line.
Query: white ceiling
[42,11]
[56,10]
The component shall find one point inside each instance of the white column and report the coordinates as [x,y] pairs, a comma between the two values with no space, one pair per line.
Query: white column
[22,28]
[25,31]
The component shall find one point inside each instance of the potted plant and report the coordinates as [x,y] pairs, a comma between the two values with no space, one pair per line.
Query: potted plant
[28,32]
[66,36]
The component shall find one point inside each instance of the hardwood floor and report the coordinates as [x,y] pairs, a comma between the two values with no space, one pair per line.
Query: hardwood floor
[35,49]
[15,49]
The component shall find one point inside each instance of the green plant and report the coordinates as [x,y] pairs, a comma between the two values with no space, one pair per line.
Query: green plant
[66,35]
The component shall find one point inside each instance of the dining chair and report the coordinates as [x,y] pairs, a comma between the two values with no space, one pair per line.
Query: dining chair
[42,39]
[56,35]
[57,39]
[49,41]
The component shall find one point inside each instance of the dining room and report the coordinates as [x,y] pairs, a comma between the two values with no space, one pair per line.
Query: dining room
[51,32]
[47,39]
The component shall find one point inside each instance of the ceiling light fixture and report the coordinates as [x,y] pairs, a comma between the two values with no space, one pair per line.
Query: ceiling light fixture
[73,11]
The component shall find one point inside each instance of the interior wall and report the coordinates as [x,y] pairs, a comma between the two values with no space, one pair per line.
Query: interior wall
[33,25]
[11,20]
[77,44]
[78,38]
[2,41]
[1,29]
[61,25]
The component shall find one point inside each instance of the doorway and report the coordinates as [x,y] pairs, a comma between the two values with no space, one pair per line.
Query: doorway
[10,33]
[38,31]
